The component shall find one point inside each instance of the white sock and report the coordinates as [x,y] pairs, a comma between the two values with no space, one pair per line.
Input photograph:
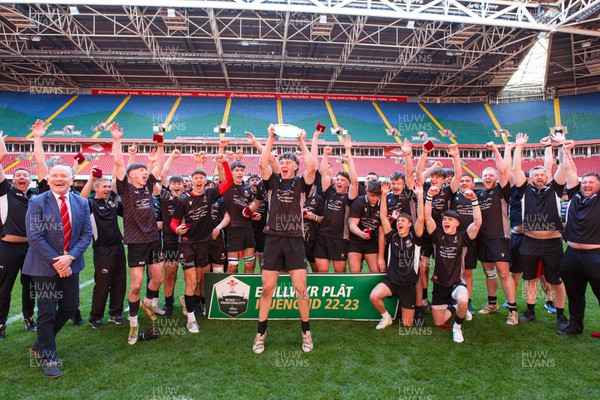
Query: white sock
[218,270]
[457,326]
[191,317]
[386,315]
[133,321]
[154,301]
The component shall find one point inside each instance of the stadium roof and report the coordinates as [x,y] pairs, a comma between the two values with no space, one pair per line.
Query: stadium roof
[421,48]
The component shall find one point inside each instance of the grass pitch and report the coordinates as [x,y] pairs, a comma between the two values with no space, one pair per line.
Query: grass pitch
[351,360]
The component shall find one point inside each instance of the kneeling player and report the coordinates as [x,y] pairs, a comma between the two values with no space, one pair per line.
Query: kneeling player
[404,248]
[449,287]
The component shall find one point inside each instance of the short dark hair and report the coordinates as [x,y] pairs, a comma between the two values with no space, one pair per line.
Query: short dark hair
[373,173]
[374,187]
[198,172]
[451,214]
[594,174]
[136,166]
[344,174]
[397,175]
[254,176]
[449,171]
[439,172]
[21,168]
[467,174]
[237,164]
[405,215]
[176,178]
[289,156]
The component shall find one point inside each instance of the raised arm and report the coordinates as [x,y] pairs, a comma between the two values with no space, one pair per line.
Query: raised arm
[474,226]
[520,177]
[453,152]
[160,160]
[132,151]
[429,221]
[500,165]
[353,189]
[164,174]
[87,189]
[265,168]
[314,146]
[567,159]
[419,225]
[560,176]
[508,147]
[117,135]
[199,159]
[383,210]
[39,129]
[272,160]
[408,164]
[3,154]
[548,157]
[421,165]
[324,169]
[309,161]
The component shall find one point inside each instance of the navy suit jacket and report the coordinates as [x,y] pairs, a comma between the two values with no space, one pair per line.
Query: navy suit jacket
[45,234]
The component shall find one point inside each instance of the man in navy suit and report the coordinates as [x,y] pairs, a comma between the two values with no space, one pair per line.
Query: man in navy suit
[59,234]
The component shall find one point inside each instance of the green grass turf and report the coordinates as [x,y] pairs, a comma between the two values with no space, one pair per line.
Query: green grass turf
[351,360]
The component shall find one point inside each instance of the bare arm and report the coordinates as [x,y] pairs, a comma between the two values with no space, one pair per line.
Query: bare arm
[408,164]
[429,221]
[160,160]
[508,147]
[419,226]
[324,169]
[560,176]
[39,130]
[117,134]
[3,154]
[455,154]
[265,168]
[474,226]
[421,166]
[500,165]
[132,151]
[87,189]
[164,174]
[353,189]
[571,168]
[314,147]
[309,161]
[383,211]
[520,177]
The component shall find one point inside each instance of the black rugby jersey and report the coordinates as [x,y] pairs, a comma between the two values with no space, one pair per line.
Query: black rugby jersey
[494,212]
[464,207]
[139,220]
[541,208]
[167,209]
[196,210]
[583,218]
[236,198]
[314,204]
[335,214]
[286,199]
[105,225]
[368,216]
[13,208]
[449,253]
[403,257]
[401,203]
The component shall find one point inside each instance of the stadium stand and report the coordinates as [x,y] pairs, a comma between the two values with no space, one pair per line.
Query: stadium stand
[253,115]
[532,117]
[85,113]
[581,115]
[141,113]
[410,119]
[19,111]
[197,117]
[305,114]
[361,121]
[470,123]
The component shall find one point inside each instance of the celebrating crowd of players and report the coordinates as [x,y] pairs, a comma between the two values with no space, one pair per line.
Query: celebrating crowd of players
[277,220]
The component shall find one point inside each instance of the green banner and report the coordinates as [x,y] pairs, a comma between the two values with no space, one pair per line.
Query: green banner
[332,296]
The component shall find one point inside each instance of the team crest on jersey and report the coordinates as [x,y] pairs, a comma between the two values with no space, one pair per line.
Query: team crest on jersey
[190,202]
[408,243]
[455,239]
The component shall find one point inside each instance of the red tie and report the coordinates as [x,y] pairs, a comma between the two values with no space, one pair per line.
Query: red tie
[64,215]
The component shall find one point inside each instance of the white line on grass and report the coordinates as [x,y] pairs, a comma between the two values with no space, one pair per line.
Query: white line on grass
[18,317]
